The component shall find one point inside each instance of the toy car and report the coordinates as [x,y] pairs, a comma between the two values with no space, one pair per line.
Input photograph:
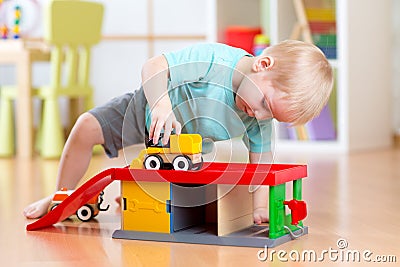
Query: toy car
[86,212]
[183,152]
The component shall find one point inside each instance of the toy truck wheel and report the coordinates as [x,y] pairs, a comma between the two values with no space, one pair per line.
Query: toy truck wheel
[53,206]
[182,163]
[153,162]
[85,213]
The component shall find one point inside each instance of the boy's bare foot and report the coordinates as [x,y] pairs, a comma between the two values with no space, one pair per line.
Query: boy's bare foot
[38,208]
[260,215]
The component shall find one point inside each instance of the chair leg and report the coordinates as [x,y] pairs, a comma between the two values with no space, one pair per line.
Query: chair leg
[89,102]
[38,135]
[51,133]
[7,132]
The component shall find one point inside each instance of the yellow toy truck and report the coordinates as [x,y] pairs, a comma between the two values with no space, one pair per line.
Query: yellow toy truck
[183,152]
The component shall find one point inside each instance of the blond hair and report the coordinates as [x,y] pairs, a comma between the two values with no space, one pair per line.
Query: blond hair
[302,71]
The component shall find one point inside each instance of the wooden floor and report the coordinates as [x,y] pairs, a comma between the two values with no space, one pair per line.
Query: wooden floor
[354,197]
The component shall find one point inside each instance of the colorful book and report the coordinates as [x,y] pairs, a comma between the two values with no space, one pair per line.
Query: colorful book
[330,52]
[322,27]
[321,127]
[326,40]
[321,14]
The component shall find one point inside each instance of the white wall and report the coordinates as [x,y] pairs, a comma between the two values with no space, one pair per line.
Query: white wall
[369,73]
[396,65]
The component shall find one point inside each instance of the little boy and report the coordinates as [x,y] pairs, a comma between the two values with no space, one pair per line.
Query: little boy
[215,90]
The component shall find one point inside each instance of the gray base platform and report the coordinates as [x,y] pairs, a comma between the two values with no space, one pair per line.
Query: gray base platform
[254,236]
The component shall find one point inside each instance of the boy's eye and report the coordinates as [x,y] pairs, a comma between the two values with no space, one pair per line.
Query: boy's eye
[265,104]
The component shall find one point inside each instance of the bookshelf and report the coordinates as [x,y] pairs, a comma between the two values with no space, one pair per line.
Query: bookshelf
[363,95]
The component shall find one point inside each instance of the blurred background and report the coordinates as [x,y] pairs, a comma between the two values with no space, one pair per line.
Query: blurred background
[361,38]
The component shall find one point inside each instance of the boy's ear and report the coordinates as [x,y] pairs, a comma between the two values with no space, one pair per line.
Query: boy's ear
[263,63]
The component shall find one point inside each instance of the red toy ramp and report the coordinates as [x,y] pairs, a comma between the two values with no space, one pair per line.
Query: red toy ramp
[76,200]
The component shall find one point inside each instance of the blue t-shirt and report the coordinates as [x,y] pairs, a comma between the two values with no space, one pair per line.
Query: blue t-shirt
[200,89]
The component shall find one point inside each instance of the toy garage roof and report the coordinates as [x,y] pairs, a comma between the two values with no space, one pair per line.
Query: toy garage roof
[219,173]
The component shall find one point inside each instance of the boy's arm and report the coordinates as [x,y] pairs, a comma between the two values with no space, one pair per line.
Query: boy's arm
[155,85]
[265,157]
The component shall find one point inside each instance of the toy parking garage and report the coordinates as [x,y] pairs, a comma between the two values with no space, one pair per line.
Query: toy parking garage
[212,205]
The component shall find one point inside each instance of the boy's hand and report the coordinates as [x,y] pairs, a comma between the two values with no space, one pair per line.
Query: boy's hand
[155,74]
[163,117]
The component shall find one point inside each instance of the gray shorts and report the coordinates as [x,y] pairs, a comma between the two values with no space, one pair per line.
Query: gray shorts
[122,121]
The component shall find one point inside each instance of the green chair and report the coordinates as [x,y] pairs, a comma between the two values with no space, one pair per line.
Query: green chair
[72,27]
[7,135]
